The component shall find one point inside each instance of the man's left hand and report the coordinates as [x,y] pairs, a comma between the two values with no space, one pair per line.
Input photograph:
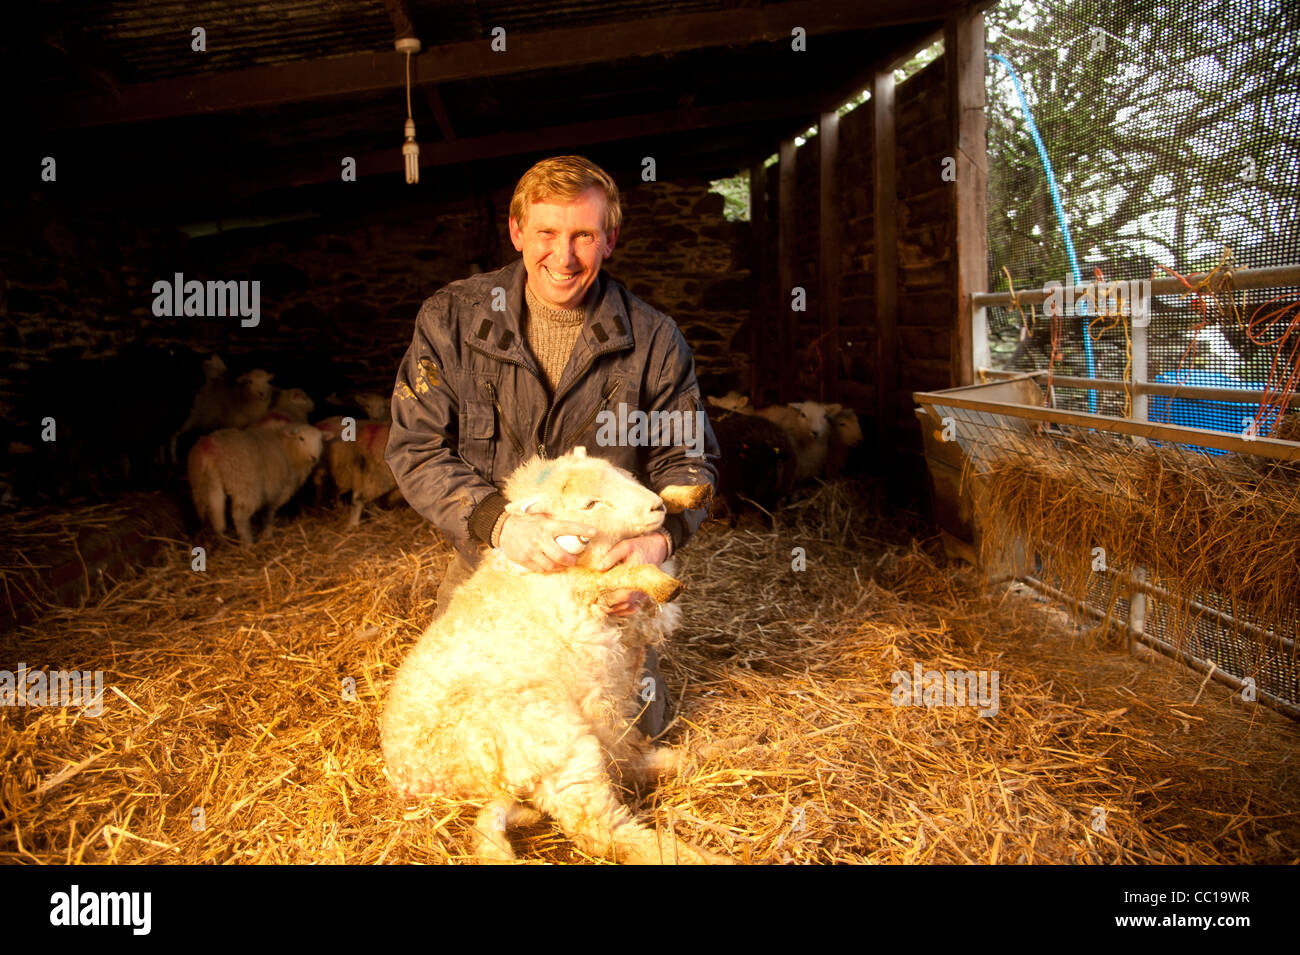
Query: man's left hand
[650,549]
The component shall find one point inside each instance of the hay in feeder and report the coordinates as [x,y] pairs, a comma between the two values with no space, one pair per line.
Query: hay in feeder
[231,732]
[1195,524]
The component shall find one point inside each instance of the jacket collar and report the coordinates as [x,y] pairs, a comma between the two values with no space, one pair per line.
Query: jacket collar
[606,327]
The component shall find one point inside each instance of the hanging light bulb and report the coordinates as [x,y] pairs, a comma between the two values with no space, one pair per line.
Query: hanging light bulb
[411,152]
[410,148]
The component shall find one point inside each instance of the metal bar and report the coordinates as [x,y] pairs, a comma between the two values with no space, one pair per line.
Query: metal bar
[1276,275]
[1245,395]
[1281,641]
[1173,433]
[1195,663]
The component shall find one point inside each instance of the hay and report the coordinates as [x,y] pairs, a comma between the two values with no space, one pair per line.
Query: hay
[228,696]
[1197,524]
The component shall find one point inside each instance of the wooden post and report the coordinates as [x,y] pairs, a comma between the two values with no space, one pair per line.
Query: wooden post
[963,45]
[759,231]
[885,216]
[785,262]
[829,255]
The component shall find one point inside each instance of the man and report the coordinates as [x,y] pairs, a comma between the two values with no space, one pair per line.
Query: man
[521,362]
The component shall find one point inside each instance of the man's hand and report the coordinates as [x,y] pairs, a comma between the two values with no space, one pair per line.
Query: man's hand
[650,549]
[529,540]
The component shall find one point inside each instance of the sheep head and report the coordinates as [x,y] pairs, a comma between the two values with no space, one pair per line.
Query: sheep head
[294,402]
[586,490]
[305,441]
[816,416]
[257,384]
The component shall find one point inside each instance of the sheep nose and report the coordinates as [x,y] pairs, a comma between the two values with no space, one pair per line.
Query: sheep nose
[659,506]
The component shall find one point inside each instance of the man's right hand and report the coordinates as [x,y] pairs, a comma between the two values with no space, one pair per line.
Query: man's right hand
[529,540]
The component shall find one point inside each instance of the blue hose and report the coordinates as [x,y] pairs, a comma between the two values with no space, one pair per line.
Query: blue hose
[1060,216]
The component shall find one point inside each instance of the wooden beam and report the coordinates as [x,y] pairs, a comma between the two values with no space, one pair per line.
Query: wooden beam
[964,56]
[910,41]
[526,52]
[759,232]
[786,252]
[885,224]
[440,115]
[399,12]
[545,139]
[830,245]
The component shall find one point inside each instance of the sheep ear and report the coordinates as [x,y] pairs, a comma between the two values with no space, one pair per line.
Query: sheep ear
[580,452]
[833,410]
[522,508]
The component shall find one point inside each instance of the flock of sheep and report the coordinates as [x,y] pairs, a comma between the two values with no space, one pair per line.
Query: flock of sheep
[257,450]
[767,452]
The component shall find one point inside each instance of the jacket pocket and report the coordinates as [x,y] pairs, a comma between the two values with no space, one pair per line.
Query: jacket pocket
[477,431]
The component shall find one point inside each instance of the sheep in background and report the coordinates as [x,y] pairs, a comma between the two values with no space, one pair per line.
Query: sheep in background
[821,435]
[376,407]
[758,461]
[295,404]
[845,435]
[356,467]
[731,401]
[255,468]
[222,403]
[522,690]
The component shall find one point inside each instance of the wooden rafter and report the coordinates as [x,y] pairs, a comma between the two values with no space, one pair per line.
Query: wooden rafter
[527,52]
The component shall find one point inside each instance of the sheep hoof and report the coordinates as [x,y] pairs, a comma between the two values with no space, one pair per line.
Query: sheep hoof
[667,590]
[685,497]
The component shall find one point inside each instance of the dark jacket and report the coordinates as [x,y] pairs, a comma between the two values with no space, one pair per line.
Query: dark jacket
[470,406]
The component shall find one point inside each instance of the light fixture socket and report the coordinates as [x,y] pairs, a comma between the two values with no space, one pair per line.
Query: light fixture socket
[407,44]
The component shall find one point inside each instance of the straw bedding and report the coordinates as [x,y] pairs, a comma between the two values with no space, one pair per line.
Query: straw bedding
[230,694]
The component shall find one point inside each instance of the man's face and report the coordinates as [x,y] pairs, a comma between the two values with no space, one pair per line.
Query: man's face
[564,244]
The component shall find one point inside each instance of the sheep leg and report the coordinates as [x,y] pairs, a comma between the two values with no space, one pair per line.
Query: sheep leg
[493,845]
[242,516]
[648,766]
[644,577]
[589,813]
[358,505]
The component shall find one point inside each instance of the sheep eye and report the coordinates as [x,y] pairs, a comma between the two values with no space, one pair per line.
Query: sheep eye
[589,505]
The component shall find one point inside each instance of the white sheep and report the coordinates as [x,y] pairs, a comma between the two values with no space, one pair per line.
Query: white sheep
[255,468]
[355,466]
[294,404]
[523,689]
[222,403]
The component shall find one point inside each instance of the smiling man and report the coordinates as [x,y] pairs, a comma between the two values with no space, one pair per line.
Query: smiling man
[520,362]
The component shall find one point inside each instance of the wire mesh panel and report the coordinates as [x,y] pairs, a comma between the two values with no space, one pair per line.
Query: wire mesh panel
[1126,137]
[1208,543]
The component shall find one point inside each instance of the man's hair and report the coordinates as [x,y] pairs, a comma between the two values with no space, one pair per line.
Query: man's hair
[565,178]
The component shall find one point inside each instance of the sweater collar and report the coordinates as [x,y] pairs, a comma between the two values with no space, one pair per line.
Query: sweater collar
[606,327]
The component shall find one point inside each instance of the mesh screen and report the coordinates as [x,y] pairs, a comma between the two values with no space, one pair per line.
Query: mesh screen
[1173,134]
[1205,626]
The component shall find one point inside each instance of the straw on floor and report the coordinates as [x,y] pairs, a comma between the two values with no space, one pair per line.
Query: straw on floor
[240,721]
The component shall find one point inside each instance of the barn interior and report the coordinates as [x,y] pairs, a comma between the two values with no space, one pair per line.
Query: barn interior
[227,141]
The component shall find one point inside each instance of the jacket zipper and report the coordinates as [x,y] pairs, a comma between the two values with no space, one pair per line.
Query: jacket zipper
[599,408]
[505,425]
[546,424]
